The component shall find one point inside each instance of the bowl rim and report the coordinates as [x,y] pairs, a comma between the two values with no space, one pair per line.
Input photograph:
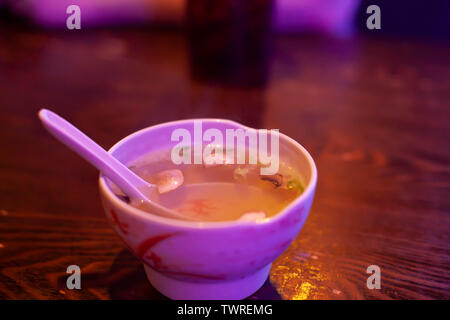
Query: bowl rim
[106,190]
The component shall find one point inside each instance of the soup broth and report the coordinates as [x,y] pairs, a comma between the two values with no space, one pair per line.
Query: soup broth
[220,192]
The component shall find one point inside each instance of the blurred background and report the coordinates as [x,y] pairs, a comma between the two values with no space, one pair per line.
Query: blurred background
[371,106]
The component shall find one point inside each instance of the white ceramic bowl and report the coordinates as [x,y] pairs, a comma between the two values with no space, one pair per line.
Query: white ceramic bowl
[206,260]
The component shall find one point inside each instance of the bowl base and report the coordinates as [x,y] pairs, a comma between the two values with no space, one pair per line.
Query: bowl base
[220,290]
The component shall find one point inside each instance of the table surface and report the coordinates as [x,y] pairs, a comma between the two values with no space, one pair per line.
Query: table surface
[374,113]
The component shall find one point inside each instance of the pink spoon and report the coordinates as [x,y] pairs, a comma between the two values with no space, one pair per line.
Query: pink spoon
[131,184]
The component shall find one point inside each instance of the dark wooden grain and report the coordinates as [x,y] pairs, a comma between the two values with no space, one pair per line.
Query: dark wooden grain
[374,114]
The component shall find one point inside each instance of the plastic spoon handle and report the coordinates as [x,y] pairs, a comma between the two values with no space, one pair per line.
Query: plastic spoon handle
[76,140]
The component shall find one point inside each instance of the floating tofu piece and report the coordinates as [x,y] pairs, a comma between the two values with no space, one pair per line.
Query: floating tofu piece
[253,216]
[209,161]
[240,174]
[169,180]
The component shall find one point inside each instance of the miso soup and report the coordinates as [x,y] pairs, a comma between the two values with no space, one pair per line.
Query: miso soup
[220,192]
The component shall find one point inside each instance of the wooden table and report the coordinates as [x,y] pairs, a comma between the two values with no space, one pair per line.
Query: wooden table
[374,113]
